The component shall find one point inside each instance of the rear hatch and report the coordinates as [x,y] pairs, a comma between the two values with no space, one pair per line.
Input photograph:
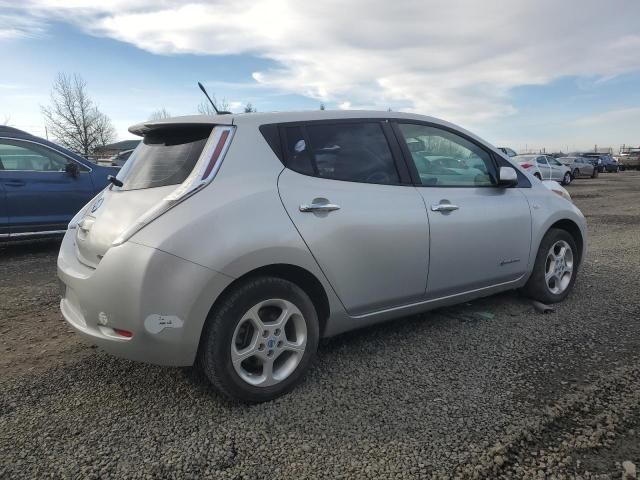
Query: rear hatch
[166,167]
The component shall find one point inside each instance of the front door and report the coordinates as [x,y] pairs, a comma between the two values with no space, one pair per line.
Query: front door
[367,231]
[40,195]
[557,169]
[480,234]
[4,212]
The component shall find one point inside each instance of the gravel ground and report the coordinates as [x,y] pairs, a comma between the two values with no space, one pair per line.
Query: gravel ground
[489,389]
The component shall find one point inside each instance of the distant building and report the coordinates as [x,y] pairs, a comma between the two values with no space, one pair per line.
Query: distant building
[112,149]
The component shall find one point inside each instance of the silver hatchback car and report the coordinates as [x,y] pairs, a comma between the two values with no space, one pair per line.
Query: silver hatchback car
[235,242]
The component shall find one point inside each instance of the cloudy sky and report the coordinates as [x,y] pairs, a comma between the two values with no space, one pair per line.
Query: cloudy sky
[559,74]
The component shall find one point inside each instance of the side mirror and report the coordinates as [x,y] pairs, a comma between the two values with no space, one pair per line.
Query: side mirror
[72,169]
[507,177]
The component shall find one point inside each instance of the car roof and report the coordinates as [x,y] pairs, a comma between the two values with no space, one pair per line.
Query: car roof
[13,132]
[16,133]
[263,118]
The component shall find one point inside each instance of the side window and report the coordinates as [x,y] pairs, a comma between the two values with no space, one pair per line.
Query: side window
[354,152]
[298,154]
[26,156]
[541,161]
[555,162]
[445,159]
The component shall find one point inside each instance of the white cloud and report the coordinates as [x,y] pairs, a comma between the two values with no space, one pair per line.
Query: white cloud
[454,59]
[14,26]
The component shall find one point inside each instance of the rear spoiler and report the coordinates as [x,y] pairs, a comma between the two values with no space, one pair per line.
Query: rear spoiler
[142,129]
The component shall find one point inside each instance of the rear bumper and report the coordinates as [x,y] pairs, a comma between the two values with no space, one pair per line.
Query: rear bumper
[163,300]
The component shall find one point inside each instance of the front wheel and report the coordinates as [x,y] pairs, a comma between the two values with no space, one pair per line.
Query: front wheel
[258,343]
[566,180]
[555,268]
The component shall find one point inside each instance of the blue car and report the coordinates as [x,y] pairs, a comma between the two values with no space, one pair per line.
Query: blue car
[42,185]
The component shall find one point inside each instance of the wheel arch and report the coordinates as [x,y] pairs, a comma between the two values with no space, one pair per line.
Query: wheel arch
[300,276]
[574,230]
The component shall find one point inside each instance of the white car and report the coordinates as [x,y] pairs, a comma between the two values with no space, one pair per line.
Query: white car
[235,242]
[545,167]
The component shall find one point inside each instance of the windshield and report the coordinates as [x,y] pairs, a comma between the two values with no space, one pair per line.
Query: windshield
[164,157]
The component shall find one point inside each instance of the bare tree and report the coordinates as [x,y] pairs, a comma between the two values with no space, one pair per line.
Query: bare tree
[205,108]
[159,114]
[249,108]
[73,119]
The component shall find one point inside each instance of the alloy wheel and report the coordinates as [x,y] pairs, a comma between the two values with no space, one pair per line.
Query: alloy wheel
[559,267]
[269,342]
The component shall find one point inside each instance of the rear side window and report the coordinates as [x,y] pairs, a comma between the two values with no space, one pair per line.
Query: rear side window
[353,152]
[164,157]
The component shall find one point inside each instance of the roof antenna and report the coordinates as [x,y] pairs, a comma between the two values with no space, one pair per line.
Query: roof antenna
[218,112]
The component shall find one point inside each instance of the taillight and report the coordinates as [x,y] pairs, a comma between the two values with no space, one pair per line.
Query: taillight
[526,165]
[123,333]
[216,154]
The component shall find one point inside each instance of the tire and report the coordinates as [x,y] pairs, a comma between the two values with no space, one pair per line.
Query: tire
[537,287]
[566,180]
[538,176]
[576,173]
[224,327]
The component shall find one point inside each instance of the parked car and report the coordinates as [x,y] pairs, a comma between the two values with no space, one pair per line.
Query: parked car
[42,185]
[120,159]
[545,167]
[605,162]
[508,151]
[579,166]
[234,242]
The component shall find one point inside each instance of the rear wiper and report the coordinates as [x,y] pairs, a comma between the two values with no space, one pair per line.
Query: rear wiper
[115,181]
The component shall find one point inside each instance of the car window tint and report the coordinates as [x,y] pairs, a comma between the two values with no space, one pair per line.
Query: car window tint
[541,160]
[164,157]
[354,152]
[298,153]
[27,156]
[443,158]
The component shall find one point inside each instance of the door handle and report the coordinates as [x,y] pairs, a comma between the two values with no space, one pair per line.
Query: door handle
[319,207]
[444,207]
[15,183]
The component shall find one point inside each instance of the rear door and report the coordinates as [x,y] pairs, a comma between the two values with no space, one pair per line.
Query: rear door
[40,195]
[480,233]
[162,162]
[545,169]
[344,191]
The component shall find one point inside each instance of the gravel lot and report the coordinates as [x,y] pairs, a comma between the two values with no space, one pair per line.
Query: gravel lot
[488,389]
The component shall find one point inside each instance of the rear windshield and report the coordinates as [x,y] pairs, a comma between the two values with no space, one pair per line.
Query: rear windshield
[164,157]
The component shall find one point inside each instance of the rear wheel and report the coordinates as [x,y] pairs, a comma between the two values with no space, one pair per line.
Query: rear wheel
[566,180]
[258,343]
[538,176]
[576,173]
[555,268]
